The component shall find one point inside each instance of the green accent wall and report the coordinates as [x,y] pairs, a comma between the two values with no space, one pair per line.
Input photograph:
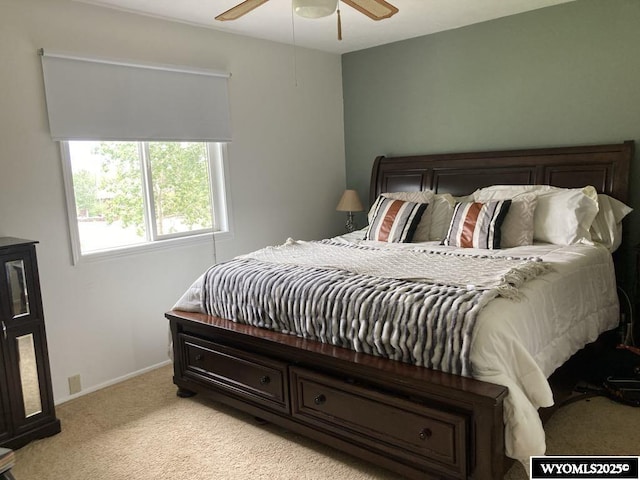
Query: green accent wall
[562,75]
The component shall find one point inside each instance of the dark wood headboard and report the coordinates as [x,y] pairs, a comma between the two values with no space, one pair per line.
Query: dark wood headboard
[606,167]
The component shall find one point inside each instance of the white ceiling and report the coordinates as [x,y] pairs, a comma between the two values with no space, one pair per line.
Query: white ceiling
[274,20]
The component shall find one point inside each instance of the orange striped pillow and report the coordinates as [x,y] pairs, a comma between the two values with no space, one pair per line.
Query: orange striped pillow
[394,220]
[477,225]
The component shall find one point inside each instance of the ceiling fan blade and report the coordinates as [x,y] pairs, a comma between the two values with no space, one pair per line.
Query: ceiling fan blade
[375,9]
[240,10]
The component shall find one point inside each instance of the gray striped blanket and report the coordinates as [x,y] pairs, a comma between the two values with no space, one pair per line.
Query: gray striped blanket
[425,324]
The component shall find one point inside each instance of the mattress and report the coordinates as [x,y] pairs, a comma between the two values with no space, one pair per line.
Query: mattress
[520,341]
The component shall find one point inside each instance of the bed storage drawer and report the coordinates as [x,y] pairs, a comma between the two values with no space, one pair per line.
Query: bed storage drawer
[249,376]
[413,433]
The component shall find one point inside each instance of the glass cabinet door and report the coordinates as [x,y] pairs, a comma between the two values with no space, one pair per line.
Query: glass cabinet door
[28,368]
[18,292]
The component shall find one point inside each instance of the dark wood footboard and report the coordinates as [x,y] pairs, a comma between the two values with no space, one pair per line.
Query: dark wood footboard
[414,421]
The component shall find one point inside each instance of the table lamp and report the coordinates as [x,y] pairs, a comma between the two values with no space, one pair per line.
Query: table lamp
[350,202]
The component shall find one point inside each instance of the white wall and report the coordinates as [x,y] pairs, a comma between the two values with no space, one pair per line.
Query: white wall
[287,168]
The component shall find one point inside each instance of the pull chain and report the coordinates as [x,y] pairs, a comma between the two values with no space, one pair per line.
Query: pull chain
[339,25]
[295,55]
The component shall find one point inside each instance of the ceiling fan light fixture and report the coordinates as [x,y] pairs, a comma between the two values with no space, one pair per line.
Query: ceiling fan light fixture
[314,8]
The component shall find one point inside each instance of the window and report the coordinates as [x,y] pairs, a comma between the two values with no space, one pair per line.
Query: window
[123,196]
[143,151]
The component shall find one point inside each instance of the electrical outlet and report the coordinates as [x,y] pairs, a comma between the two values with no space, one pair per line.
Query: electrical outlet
[74,384]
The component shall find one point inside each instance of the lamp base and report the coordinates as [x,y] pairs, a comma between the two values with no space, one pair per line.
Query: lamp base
[350,226]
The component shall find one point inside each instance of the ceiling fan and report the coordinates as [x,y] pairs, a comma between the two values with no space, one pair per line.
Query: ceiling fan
[374,9]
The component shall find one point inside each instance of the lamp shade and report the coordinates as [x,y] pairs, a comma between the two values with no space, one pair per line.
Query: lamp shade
[314,8]
[349,202]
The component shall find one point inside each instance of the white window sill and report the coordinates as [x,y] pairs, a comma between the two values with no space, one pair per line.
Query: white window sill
[171,243]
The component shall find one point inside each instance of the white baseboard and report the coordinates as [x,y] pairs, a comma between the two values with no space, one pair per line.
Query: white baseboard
[112,382]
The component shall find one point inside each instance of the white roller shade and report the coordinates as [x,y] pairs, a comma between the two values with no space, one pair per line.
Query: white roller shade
[95,99]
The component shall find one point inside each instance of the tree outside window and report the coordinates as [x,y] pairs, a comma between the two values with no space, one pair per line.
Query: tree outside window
[128,193]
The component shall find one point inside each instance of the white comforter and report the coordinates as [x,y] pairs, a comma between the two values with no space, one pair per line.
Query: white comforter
[519,343]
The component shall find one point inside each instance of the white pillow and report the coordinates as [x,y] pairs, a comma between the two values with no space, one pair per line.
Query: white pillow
[518,226]
[509,191]
[607,226]
[563,216]
[422,230]
[442,213]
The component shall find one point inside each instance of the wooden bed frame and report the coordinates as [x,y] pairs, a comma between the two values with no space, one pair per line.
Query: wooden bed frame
[417,422]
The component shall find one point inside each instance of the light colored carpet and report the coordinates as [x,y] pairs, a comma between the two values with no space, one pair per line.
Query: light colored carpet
[140,430]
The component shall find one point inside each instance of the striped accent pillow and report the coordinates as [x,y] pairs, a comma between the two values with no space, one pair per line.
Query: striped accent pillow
[477,225]
[394,220]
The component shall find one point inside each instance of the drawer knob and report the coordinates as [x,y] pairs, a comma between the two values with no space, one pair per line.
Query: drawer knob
[320,399]
[265,380]
[425,433]
[199,357]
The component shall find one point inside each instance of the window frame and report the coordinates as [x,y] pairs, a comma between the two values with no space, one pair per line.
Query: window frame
[220,201]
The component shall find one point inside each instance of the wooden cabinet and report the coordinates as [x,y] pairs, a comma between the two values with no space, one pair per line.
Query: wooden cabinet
[26,395]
